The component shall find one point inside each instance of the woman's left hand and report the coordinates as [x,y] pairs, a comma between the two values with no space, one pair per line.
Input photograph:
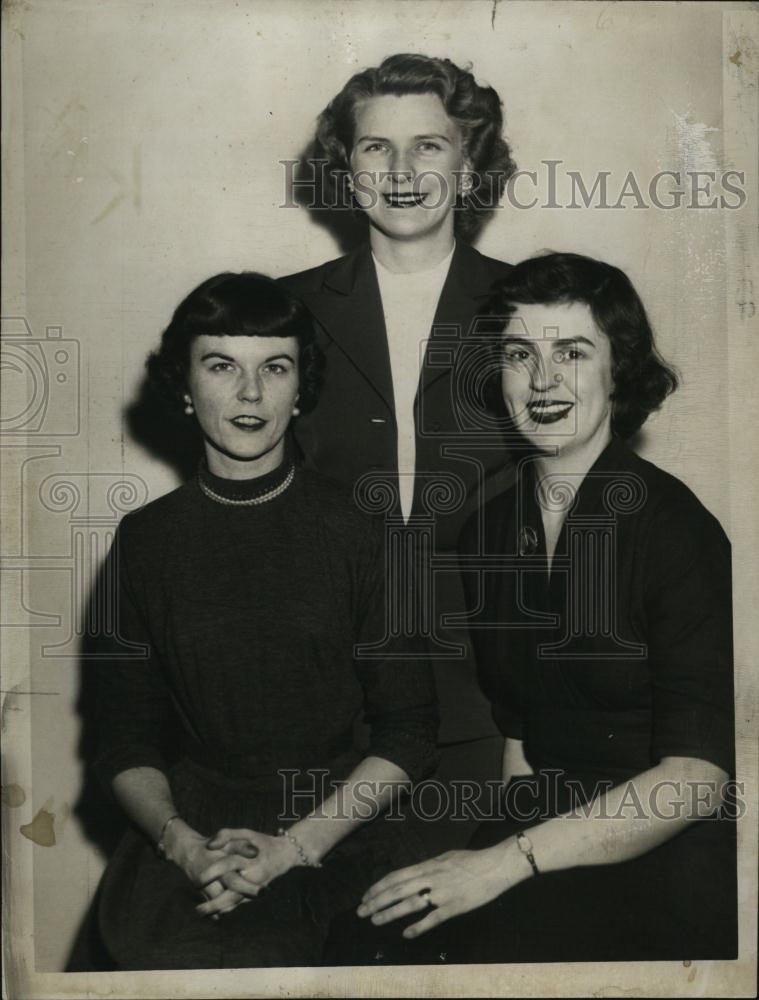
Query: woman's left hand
[276,855]
[452,883]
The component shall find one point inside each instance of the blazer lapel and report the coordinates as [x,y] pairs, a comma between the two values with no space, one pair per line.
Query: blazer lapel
[349,308]
[466,289]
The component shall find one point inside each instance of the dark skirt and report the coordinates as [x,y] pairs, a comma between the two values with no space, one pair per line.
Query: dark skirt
[147,910]
[677,902]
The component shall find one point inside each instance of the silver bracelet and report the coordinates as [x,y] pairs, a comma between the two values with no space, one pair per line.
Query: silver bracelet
[525,846]
[160,846]
[304,858]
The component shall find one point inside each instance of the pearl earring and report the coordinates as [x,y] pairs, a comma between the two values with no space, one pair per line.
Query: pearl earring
[189,408]
[296,411]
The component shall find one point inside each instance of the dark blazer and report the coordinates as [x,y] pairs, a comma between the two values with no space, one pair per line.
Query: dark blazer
[353,430]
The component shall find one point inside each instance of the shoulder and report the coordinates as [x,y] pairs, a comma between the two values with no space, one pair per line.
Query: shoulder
[149,525]
[470,260]
[669,499]
[677,529]
[312,279]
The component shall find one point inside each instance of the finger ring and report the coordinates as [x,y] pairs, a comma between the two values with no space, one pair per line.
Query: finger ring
[425,895]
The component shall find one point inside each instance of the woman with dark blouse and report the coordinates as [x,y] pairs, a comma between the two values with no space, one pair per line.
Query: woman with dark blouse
[599,597]
[243,595]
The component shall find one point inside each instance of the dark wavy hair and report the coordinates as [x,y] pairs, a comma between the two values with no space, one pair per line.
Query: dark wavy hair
[642,379]
[237,305]
[475,109]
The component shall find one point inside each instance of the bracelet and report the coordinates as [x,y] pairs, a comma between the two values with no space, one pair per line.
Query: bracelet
[304,858]
[160,846]
[525,846]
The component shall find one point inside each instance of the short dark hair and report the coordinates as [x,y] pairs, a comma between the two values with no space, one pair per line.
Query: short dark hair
[237,305]
[475,109]
[642,379]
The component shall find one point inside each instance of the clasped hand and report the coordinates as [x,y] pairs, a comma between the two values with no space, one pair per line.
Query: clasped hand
[249,861]
[232,866]
[443,887]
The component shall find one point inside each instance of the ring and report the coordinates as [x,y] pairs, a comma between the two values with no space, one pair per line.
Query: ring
[425,895]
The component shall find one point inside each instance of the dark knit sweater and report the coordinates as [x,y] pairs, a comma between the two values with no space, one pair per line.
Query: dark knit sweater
[248,617]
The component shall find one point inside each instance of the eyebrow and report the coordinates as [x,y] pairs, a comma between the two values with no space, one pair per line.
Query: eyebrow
[380,138]
[278,357]
[216,354]
[226,357]
[561,341]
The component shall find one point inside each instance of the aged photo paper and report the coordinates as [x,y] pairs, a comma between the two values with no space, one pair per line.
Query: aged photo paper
[150,144]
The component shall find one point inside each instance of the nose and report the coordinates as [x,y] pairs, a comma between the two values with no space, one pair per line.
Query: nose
[249,387]
[399,166]
[544,374]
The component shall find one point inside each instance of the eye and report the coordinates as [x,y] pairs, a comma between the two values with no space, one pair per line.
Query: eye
[515,353]
[570,354]
[374,147]
[221,366]
[429,147]
[275,368]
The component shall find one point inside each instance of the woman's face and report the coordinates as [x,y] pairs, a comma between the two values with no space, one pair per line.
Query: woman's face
[406,153]
[244,390]
[557,377]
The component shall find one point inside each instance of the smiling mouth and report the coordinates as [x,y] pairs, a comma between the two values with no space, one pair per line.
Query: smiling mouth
[548,411]
[248,423]
[405,200]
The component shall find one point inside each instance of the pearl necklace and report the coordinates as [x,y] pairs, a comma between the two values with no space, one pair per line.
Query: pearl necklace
[253,501]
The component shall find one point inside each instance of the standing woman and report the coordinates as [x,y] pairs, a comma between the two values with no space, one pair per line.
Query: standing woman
[603,632]
[416,145]
[243,595]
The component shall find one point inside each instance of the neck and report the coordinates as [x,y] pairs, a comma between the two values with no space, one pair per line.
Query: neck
[409,256]
[228,467]
[574,462]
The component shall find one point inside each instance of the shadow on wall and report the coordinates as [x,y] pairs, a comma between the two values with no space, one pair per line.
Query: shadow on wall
[308,189]
[171,438]
[101,821]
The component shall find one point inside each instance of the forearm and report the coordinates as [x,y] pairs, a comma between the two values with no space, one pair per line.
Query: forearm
[145,796]
[628,820]
[368,791]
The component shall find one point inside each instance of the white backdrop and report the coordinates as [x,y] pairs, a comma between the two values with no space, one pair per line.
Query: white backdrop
[142,149]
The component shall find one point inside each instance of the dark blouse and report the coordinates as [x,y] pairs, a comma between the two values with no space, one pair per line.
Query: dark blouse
[248,617]
[624,655]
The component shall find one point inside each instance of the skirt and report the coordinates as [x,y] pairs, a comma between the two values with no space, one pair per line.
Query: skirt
[147,915]
[677,902]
